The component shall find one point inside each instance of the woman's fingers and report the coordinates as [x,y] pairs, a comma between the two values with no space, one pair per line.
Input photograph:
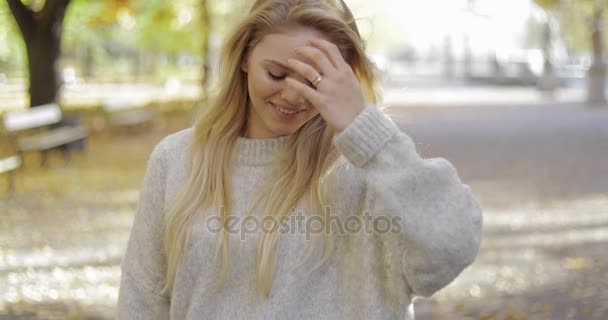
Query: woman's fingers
[318,59]
[331,51]
[305,70]
[307,92]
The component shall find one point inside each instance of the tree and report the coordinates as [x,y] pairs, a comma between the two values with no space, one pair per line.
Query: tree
[582,22]
[597,71]
[41,32]
[82,40]
[152,35]
[548,80]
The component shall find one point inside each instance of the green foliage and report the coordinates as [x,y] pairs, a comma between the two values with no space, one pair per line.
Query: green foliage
[574,18]
[154,25]
[548,4]
[12,48]
[78,26]
[169,26]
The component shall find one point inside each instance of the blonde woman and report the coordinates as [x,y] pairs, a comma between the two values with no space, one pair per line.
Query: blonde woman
[293,196]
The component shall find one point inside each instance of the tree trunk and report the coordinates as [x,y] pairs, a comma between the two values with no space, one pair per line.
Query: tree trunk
[467,60]
[547,81]
[41,33]
[466,42]
[448,59]
[88,61]
[42,55]
[597,71]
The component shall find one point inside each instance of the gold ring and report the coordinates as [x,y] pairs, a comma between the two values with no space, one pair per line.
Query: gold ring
[317,80]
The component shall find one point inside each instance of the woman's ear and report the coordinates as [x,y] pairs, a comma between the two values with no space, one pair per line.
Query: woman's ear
[244,65]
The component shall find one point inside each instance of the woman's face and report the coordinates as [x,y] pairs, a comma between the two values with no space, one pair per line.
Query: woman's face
[276,109]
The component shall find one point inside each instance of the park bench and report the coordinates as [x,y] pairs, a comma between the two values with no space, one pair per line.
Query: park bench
[126,114]
[8,166]
[10,162]
[42,129]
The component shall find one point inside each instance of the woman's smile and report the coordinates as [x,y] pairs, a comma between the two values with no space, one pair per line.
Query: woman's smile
[285,113]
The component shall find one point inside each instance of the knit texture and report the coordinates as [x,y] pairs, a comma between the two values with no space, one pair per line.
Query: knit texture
[423,228]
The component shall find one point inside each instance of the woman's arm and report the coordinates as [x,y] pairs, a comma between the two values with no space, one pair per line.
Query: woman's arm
[440,218]
[143,265]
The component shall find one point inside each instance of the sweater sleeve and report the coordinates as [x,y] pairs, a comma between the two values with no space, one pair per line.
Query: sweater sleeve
[143,265]
[440,219]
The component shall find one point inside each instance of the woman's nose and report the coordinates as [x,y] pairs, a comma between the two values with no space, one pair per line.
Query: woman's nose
[292,97]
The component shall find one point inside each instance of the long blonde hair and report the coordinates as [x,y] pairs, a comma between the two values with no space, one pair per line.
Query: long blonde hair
[305,164]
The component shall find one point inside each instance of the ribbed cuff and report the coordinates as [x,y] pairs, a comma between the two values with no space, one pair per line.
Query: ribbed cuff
[365,136]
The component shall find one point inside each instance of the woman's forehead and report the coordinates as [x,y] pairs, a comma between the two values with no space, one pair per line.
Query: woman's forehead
[281,46]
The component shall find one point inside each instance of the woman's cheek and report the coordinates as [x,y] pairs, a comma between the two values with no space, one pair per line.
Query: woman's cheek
[268,88]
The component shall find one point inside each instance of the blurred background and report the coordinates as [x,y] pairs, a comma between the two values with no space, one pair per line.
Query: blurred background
[511,92]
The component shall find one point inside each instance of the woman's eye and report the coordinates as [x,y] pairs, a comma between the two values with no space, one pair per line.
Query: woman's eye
[275,77]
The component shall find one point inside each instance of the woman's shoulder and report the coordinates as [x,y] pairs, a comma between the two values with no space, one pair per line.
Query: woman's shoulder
[173,145]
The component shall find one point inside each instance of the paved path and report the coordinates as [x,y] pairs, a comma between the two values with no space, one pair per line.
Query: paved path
[541,174]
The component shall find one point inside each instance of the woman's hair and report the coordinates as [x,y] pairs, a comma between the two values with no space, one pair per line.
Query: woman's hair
[305,164]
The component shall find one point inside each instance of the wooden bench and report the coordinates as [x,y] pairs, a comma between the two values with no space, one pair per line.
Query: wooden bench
[42,129]
[126,114]
[8,166]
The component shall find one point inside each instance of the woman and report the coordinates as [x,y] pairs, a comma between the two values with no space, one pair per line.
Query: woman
[293,139]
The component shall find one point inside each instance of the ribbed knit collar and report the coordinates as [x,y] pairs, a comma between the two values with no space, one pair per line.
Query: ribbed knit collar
[259,151]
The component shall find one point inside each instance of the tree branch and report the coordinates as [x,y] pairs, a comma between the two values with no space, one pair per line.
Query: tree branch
[23,16]
[53,11]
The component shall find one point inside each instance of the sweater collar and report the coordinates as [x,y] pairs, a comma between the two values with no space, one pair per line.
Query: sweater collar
[258,151]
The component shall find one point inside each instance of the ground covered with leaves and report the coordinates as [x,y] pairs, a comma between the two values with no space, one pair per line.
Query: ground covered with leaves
[540,174]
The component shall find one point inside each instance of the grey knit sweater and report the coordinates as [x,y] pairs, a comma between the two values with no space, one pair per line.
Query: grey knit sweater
[423,228]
